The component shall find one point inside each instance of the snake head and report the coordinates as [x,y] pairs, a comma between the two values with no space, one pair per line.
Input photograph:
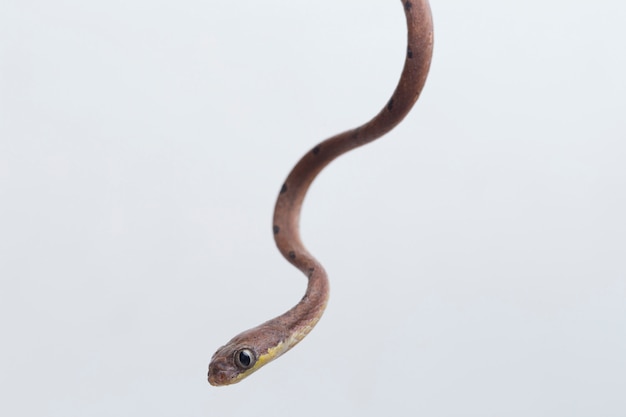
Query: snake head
[231,363]
[246,353]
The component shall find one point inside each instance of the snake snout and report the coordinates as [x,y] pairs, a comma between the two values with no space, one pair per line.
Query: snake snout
[218,373]
[217,378]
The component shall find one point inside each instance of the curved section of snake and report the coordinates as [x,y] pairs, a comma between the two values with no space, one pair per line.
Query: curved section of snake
[253,348]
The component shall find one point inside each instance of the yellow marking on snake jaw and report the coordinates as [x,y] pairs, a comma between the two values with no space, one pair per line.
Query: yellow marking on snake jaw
[272,353]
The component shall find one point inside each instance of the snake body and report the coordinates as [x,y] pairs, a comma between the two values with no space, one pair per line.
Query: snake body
[250,350]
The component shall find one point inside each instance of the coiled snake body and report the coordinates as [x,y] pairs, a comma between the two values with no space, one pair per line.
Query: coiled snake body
[252,349]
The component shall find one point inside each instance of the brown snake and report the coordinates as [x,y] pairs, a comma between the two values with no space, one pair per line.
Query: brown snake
[252,349]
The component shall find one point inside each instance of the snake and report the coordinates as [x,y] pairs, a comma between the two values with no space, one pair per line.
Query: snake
[252,349]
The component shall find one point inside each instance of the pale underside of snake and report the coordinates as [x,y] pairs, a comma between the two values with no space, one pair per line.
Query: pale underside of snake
[250,350]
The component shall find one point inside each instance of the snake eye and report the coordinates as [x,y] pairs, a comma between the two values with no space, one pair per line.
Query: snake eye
[244,358]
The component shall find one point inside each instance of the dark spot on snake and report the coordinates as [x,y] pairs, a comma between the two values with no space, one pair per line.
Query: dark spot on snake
[409,53]
[283,189]
[390,105]
[316,150]
[276,229]
[408,5]
[311,270]
[292,255]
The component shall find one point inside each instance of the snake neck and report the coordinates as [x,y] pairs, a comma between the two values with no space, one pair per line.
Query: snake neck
[300,320]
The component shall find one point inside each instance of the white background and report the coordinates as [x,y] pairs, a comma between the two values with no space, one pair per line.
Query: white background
[476,253]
